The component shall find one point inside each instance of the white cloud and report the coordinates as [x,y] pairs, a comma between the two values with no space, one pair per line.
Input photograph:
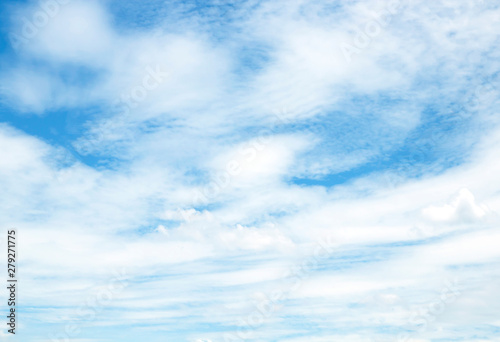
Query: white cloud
[80,32]
[463,208]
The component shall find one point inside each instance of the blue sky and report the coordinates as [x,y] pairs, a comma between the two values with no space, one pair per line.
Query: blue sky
[287,171]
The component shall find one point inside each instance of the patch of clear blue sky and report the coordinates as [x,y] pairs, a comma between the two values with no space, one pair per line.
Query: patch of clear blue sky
[59,128]
[211,15]
[421,152]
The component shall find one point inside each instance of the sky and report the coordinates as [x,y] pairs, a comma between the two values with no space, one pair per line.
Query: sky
[252,170]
